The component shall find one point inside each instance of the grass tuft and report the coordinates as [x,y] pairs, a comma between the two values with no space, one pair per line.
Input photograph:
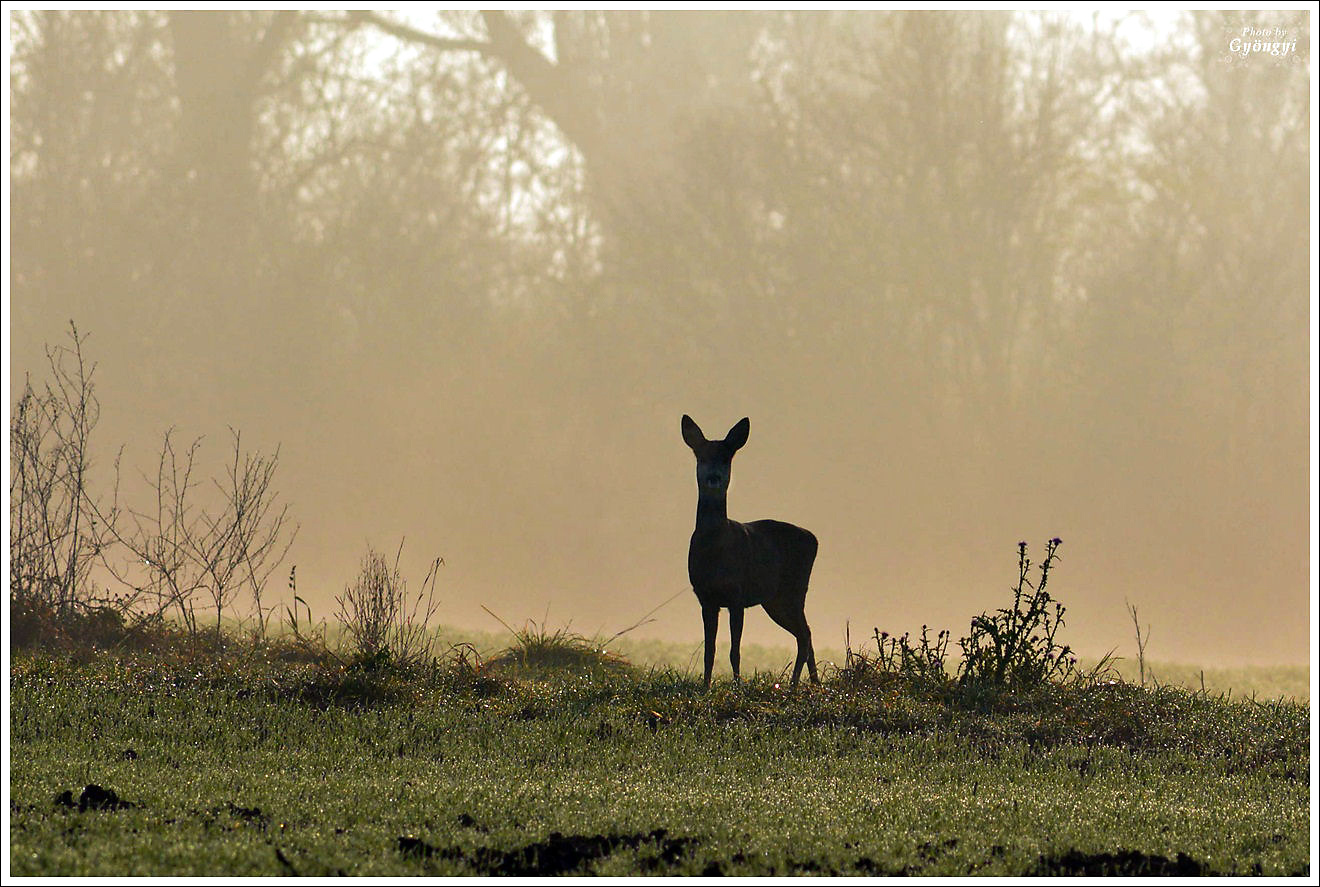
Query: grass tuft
[537,650]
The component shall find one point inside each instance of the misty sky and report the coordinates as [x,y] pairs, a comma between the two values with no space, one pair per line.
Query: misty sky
[969,288]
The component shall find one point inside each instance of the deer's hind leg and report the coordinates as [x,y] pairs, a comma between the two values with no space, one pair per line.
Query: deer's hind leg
[794,620]
[806,652]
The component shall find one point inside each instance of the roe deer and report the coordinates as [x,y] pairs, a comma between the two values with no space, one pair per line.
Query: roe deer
[736,565]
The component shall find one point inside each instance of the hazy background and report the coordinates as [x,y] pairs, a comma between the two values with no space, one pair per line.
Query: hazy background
[975,277]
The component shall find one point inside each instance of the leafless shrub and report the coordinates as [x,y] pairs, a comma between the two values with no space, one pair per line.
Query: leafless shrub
[168,557]
[183,553]
[56,531]
[384,624]
[250,529]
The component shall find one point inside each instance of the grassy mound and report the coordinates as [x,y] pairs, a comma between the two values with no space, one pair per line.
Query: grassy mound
[538,651]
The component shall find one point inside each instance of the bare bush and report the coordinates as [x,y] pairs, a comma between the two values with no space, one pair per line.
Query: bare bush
[183,553]
[56,531]
[381,620]
[250,529]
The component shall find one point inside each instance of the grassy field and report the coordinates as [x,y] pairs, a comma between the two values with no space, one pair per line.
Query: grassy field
[244,764]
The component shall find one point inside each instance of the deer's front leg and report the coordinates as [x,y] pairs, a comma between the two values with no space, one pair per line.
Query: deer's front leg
[735,639]
[710,616]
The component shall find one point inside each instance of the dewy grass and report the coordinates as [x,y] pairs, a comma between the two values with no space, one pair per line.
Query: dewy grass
[258,768]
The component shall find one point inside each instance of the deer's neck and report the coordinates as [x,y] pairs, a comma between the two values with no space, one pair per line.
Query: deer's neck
[712,513]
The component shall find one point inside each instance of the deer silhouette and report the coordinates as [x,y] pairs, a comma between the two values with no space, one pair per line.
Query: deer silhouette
[735,565]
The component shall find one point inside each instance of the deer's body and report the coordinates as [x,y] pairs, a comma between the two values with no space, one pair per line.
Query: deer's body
[735,565]
[732,564]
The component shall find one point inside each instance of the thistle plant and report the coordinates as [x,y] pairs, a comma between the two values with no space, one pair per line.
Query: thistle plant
[1017,648]
[922,659]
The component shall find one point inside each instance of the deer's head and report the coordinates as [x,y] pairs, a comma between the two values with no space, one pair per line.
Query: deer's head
[714,457]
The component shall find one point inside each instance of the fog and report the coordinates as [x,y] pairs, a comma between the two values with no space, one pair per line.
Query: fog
[975,278]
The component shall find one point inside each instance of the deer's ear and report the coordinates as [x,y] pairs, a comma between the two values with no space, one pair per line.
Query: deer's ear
[737,435]
[692,435]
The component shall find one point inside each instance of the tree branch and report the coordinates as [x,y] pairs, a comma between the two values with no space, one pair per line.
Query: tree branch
[544,82]
[271,43]
[414,35]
